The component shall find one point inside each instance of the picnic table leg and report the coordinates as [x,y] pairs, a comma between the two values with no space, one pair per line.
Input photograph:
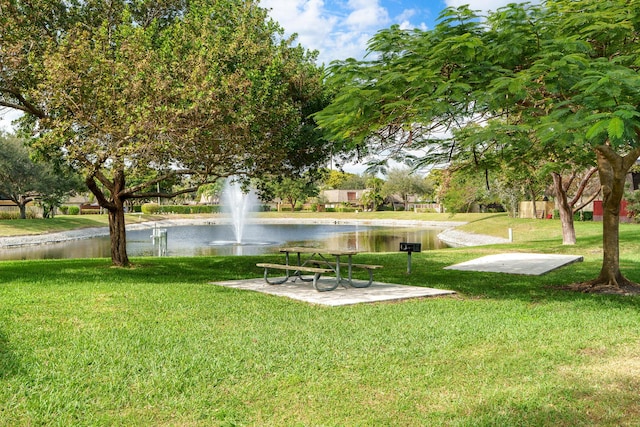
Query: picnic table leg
[316,278]
[274,282]
[366,285]
[300,263]
[338,276]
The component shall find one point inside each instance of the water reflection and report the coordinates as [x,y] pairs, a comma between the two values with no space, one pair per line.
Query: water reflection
[204,240]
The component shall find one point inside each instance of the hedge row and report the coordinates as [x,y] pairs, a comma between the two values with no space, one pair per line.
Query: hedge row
[154,208]
[70,210]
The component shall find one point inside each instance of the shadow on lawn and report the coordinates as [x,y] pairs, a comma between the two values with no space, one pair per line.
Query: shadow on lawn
[427,271]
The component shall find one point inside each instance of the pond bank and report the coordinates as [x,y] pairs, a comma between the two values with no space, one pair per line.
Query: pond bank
[450,235]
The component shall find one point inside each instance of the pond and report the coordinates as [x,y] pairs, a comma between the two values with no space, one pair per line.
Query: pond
[208,240]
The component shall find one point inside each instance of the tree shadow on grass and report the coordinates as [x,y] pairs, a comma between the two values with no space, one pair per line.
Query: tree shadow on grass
[428,271]
[170,270]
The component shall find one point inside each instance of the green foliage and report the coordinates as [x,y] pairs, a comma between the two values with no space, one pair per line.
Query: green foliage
[403,183]
[29,214]
[633,204]
[213,190]
[24,180]
[150,208]
[9,215]
[154,208]
[72,210]
[338,180]
[373,197]
[292,189]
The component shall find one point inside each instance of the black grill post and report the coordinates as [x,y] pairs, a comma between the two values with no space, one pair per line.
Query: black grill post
[409,248]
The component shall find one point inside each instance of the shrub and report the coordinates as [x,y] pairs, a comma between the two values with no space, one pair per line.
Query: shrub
[345,207]
[150,208]
[633,204]
[73,210]
[154,208]
[583,216]
[9,215]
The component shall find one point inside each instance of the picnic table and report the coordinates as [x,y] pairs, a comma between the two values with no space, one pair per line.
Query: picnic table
[318,261]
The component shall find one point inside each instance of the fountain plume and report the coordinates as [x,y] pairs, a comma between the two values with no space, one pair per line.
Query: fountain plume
[238,204]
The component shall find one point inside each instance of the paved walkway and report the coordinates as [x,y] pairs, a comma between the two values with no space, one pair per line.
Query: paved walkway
[517,263]
[304,291]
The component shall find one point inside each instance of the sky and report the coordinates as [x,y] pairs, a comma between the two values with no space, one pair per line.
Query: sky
[340,29]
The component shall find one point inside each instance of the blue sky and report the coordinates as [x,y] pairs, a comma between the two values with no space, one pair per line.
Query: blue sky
[340,29]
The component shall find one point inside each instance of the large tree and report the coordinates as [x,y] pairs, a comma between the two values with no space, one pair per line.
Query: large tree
[555,85]
[136,93]
[404,183]
[24,180]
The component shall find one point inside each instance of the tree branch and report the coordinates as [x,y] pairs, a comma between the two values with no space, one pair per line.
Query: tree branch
[22,104]
[583,185]
[102,200]
[162,194]
[582,205]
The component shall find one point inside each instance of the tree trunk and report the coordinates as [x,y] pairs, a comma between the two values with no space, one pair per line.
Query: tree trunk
[115,210]
[23,210]
[566,213]
[612,169]
[118,236]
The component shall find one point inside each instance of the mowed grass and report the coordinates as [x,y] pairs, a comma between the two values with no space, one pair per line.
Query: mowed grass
[82,343]
[21,227]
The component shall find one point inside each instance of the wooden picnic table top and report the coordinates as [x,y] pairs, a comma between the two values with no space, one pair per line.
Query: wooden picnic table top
[310,250]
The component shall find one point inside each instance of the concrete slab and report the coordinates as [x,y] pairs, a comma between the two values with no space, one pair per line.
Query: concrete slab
[517,263]
[304,291]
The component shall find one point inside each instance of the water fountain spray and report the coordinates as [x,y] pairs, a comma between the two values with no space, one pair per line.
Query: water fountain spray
[238,204]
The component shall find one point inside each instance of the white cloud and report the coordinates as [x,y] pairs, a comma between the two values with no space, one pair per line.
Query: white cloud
[366,14]
[337,29]
[407,25]
[307,18]
[407,14]
[483,5]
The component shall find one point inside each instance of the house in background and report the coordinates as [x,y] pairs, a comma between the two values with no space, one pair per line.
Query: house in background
[335,198]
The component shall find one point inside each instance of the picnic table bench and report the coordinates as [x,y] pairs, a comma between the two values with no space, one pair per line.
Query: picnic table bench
[297,269]
[318,264]
[369,267]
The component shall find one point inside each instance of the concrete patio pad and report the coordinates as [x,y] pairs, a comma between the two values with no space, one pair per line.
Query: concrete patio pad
[517,263]
[304,291]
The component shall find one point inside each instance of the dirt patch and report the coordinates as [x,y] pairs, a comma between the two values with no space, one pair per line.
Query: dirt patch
[627,289]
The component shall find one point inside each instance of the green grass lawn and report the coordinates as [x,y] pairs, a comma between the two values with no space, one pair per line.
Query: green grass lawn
[82,343]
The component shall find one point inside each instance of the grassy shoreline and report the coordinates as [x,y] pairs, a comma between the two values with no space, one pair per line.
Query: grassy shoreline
[82,343]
